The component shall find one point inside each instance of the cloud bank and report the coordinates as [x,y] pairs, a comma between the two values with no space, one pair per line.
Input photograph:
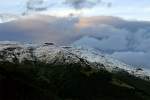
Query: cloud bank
[127,41]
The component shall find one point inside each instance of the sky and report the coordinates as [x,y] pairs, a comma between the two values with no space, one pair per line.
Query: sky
[127,9]
[119,28]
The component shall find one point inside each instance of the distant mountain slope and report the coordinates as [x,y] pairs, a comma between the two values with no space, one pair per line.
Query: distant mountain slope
[49,72]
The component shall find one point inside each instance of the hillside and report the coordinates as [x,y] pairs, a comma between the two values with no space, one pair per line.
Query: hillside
[49,72]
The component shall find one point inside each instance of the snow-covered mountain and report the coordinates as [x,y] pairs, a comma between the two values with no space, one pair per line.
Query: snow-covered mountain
[49,53]
[111,64]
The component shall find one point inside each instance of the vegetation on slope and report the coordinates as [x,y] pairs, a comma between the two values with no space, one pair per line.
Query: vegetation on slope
[39,81]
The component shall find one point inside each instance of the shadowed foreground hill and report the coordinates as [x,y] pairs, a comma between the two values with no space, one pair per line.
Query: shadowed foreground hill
[40,81]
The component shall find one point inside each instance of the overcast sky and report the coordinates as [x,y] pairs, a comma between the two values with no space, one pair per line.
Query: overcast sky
[127,9]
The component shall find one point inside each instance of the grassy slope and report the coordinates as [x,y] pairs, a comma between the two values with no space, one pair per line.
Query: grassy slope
[38,81]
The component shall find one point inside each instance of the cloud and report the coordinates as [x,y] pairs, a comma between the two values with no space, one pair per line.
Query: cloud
[80,4]
[7,17]
[17,9]
[35,5]
[42,29]
[104,37]
[44,5]
[140,59]
[127,41]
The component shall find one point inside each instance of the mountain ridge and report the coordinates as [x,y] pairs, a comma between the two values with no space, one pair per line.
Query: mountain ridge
[50,72]
[50,54]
